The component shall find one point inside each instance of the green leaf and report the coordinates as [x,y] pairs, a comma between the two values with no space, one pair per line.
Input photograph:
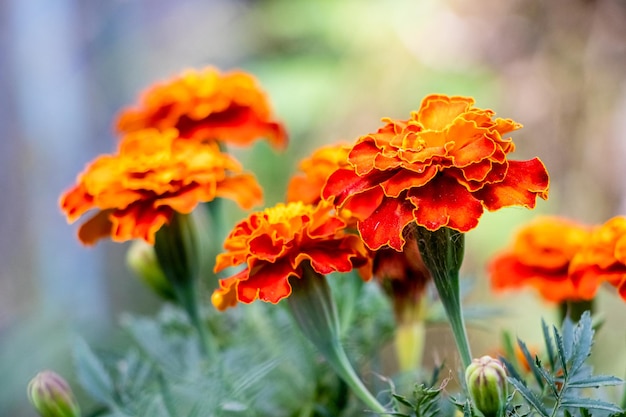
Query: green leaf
[590,404]
[92,375]
[467,409]
[512,371]
[531,363]
[595,381]
[529,396]
[549,345]
[560,348]
[582,342]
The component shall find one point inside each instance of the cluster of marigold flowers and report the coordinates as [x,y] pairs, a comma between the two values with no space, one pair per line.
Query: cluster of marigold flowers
[350,207]
[169,156]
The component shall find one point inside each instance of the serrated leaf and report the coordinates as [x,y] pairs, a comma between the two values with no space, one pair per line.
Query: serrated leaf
[512,371]
[549,379]
[92,375]
[402,400]
[582,341]
[595,381]
[590,404]
[549,345]
[560,349]
[528,395]
[531,363]
[567,337]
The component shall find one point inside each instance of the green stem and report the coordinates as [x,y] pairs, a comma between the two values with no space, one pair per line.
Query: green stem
[341,364]
[574,309]
[442,251]
[187,297]
[313,308]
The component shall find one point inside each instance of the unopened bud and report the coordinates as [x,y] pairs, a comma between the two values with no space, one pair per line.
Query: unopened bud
[142,260]
[487,385]
[52,396]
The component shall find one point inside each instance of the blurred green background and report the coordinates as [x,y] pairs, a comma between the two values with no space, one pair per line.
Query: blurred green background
[332,69]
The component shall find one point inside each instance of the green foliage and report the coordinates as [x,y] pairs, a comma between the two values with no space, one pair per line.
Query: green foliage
[427,399]
[560,388]
[263,366]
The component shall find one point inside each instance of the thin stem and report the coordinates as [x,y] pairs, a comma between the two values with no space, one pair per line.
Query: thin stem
[442,251]
[449,294]
[313,308]
[187,297]
[341,364]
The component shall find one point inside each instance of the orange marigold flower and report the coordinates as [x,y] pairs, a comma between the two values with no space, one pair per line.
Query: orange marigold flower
[206,104]
[137,190]
[440,168]
[540,257]
[275,244]
[307,187]
[604,256]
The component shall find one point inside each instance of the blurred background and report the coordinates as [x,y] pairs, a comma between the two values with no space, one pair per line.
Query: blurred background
[332,69]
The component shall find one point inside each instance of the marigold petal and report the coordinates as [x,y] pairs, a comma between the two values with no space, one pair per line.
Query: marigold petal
[360,206]
[444,202]
[267,248]
[333,256]
[524,181]
[438,111]
[243,189]
[76,202]
[385,226]
[225,296]
[405,179]
[138,221]
[97,227]
[268,282]
[344,183]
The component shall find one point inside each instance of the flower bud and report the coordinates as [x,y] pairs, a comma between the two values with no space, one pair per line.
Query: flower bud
[51,396]
[487,386]
[142,260]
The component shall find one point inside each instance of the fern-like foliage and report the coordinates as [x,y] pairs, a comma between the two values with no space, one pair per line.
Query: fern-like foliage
[263,367]
[560,387]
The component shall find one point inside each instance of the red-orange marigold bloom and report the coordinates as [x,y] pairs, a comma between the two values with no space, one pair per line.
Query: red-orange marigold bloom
[206,104]
[307,187]
[604,256]
[276,243]
[540,257]
[137,190]
[440,168]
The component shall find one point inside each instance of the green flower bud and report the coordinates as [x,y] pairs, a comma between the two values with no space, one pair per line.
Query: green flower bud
[51,396]
[142,260]
[487,386]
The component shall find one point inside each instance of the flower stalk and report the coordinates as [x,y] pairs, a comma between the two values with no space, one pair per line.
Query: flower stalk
[176,249]
[442,251]
[312,306]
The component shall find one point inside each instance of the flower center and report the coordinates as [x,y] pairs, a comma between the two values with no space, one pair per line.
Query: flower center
[282,213]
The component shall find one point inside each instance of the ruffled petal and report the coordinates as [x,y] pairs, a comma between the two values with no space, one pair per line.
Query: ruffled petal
[443,202]
[385,226]
[524,182]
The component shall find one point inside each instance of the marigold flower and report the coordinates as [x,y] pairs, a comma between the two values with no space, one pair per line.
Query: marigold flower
[603,257]
[137,190]
[440,168]
[540,257]
[206,104]
[276,243]
[307,187]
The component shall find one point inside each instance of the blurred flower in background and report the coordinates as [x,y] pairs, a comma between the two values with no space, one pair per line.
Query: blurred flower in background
[67,67]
